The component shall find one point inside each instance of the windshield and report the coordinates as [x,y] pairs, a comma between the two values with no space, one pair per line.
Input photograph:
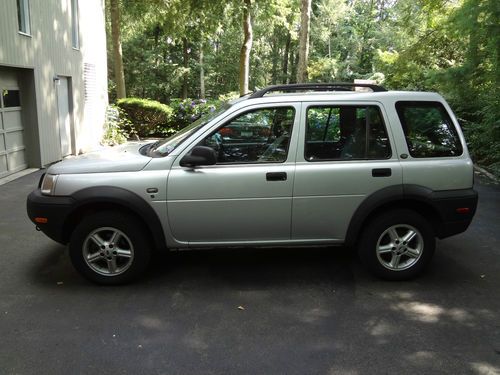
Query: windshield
[167,145]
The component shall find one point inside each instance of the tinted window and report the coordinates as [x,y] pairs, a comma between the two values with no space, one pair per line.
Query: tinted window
[11,98]
[345,133]
[428,129]
[260,136]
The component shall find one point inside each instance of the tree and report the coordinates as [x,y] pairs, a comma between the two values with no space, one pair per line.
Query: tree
[246,47]
[305,27]
[117,48]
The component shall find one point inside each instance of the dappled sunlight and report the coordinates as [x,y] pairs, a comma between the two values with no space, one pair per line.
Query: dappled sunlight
[152,323]
[380,327]
[422,358]
[424,312]
[343,371]
[314,315]
[195,340]
[415,309]
[483,368]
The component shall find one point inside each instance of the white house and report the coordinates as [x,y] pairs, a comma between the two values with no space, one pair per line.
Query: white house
[53,80]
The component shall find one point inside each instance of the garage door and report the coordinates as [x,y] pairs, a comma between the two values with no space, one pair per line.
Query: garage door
[12,148]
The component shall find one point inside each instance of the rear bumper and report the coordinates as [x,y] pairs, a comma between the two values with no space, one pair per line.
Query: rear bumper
[54,209]
[456,209]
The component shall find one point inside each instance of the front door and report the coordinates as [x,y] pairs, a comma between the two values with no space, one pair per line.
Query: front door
[64,116]
[247,196]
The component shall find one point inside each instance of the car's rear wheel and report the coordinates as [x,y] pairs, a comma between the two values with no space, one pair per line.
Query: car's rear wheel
[397,245]
[110,248]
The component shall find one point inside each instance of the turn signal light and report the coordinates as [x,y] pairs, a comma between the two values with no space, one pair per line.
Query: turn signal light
[41,220]
[463,210]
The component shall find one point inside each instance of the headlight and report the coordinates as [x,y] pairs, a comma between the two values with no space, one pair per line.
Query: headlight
[49,184]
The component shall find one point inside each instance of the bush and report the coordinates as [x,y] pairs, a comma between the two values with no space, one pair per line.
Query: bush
[147,118]
[188,110]
[114,124]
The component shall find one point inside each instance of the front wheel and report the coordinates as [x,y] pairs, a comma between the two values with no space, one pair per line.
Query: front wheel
[110,248]
[397,245]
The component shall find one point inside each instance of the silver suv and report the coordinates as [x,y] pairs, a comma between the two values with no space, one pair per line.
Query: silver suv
[383,171]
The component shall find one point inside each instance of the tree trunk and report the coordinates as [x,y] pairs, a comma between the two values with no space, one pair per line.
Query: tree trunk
[285,58]
[246,48]
[202,74]
[275,57]
[305,26]
[185,64]
[117,49]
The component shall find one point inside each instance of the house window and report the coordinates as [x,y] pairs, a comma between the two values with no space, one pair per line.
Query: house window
[75,37]
[23,16]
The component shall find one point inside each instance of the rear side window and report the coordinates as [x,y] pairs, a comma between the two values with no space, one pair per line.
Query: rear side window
[428,129]
[345,132]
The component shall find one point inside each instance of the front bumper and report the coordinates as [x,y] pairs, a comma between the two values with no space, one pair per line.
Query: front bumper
[54,209]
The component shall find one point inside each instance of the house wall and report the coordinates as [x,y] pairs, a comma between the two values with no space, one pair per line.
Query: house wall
[48,53]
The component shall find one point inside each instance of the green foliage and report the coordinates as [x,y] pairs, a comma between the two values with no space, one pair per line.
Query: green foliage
[147,118]
[189,110]
[116,122]
[229,96]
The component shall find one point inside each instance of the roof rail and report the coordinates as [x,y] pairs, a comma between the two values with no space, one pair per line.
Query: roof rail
[334,86]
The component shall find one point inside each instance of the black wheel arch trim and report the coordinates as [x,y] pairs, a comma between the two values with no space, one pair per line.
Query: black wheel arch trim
[442,203]
[110,195]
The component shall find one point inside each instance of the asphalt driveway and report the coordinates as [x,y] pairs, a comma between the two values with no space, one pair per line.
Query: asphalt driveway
[268,311]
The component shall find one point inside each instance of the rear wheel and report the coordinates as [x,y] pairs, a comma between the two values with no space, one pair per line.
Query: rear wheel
[397,245]
[110,248]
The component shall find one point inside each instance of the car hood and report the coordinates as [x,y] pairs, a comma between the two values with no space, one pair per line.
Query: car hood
[124,158]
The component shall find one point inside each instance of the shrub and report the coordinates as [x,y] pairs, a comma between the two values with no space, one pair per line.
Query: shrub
[147,118]
[188,110]
[114,124]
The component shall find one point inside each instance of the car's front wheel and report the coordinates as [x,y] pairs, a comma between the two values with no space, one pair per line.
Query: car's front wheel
[110,248]
[397,245]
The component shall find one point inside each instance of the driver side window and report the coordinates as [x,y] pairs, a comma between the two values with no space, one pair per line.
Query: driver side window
[258,136]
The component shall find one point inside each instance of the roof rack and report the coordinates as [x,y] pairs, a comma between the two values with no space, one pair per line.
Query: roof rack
[334,86]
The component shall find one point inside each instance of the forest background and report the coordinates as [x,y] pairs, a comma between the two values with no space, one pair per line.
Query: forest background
[182,53]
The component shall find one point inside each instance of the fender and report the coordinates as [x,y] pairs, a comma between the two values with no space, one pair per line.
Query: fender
[440,205]
[109,195]
[368,205]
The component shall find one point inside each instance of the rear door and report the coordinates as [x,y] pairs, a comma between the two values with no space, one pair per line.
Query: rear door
[247,196]
[345,153]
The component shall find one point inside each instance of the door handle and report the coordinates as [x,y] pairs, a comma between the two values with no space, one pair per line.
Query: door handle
[276,176]
[381,172]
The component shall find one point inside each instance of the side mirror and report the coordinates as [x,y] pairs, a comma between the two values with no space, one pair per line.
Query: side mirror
[199,155]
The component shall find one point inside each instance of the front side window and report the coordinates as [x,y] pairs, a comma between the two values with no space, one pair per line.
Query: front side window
[258,136]
[345,132]
[428,129]
[23,16]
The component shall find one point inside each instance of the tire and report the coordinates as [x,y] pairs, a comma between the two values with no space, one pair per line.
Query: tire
[110,248]
[397,245]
